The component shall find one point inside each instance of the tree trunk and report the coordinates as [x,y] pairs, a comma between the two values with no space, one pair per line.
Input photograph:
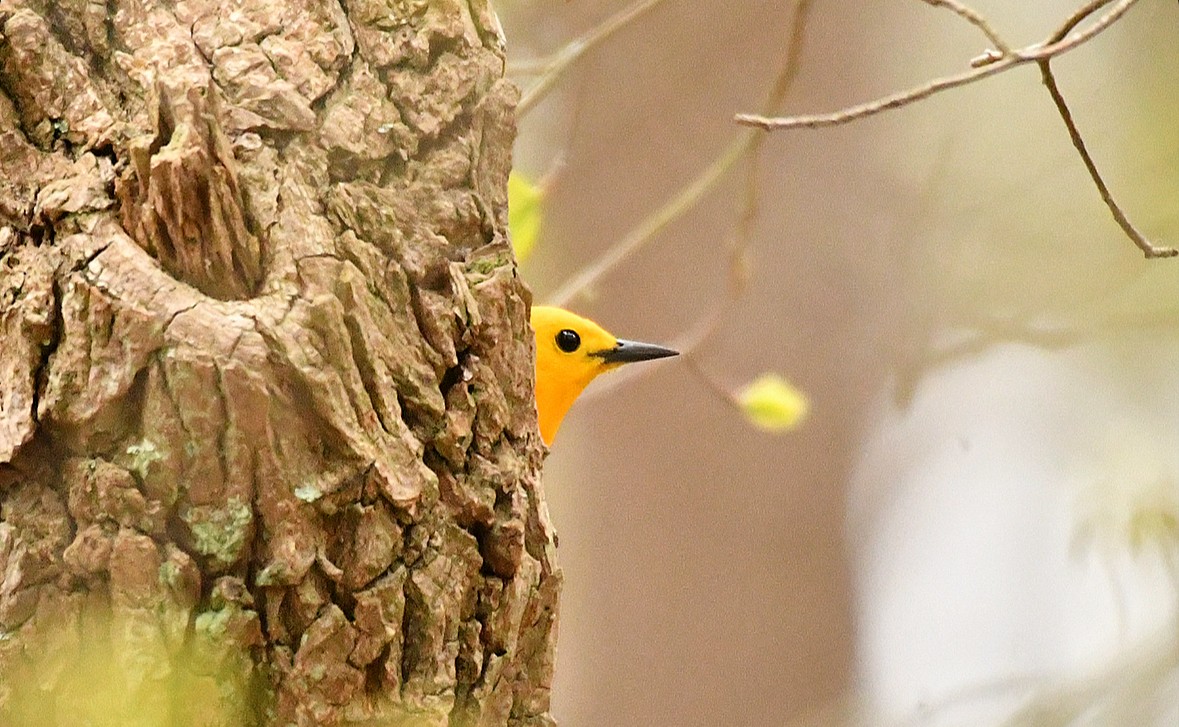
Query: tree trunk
[268,451]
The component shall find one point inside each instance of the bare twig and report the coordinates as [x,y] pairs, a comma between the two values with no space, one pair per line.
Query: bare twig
[744,145]
[575,49]
[990,63]
[707,325]
[529,66]
[976,19]
[743,228]
[1030,54]
[1148,248]
[884,103]
[714,387]
[649,227]
[1076,19]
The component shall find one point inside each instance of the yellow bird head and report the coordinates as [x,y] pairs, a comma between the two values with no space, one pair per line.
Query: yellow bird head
[570,352]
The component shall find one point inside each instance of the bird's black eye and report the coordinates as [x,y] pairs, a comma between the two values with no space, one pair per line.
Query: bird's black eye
[568,340]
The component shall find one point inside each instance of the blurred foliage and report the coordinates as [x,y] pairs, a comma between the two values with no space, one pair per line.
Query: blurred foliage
[772,404]
[152,667]
[524,214]
[120,669]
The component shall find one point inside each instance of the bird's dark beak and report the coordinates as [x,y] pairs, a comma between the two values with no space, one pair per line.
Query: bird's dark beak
[631,351]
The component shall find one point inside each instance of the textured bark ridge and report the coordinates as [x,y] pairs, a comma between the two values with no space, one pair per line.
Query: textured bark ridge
[268,451]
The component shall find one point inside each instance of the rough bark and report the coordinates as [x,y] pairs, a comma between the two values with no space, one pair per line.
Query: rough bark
[268,451]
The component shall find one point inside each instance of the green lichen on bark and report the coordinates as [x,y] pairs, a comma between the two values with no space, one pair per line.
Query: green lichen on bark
[267,433]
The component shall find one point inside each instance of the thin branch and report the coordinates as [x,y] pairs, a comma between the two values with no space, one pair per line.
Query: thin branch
[1076,19]
[708,324]
[746,143]
[529,66]
[884,103]
[1030,54]
[976,19]
[714,387]
[743,228]
[638,237]
[990,63]
[1148,248]
[575,49]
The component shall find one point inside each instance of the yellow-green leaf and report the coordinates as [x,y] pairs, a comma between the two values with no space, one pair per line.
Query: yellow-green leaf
[524,214]
[772,404]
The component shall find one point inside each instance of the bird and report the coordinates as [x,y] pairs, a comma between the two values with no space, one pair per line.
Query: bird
[572,351]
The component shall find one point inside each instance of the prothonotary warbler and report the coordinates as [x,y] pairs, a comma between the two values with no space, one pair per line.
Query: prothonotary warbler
[570,352]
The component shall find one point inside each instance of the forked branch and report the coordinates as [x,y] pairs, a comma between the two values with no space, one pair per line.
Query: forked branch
[996,60]
[989,64]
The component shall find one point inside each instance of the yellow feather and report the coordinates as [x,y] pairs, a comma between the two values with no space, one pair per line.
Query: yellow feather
[563,371]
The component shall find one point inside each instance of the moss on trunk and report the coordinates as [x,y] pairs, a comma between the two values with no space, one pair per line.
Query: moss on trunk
[268,451]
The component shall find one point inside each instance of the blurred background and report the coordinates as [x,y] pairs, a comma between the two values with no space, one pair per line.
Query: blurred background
[978,522]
